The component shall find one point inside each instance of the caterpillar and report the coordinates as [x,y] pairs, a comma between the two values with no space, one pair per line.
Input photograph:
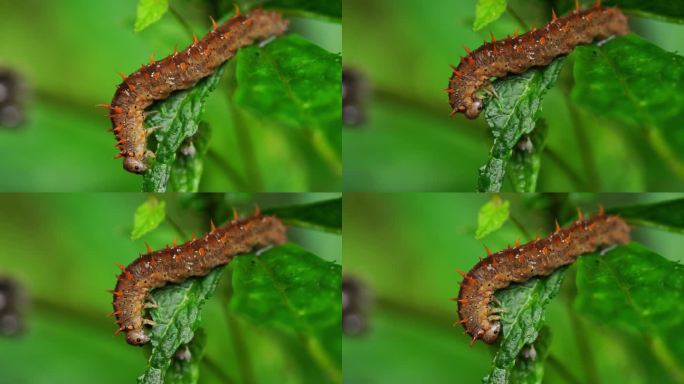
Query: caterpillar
[519,53]
[177,263]
[539,257]
[178,71]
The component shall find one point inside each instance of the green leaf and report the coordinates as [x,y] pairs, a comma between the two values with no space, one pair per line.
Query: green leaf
[667,10]
[632,288]
[186,171]
[529,367]
[488,11]
[149,11]
[511,115]
[524,164]
[177,318]
[289,288]
[524,305]
[492,216]
[148,216]
[668,215]
[296,84]
[184,368]
[178,117]
[328,9]
[322,215]
[637,83]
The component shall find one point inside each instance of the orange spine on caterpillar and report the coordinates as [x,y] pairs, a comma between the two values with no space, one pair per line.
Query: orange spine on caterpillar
[181,70]
[175,264]
[538,47]
[539,257]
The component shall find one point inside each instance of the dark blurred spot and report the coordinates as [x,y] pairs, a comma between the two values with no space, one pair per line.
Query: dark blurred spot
[12,98]
[355,306]
[529,352]
[183,353]
[12,303]
[188,148]
[354,97]
[524,144]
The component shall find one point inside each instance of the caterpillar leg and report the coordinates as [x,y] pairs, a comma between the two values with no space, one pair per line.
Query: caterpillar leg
[496,310]
[147,114]
[149,322]
[262,250]
[488,88]
[607,39]
[150,303]
[605,250]
[150,130]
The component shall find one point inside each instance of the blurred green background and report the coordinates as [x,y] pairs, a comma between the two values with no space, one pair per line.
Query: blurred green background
[405,248]
[62,248]
[68,53]
[408,143]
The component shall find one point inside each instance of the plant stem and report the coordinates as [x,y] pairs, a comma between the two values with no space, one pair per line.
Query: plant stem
[561,369]
[406,311]
[586,356]
[477,128]
[325,150]
[217,370]
[322,358]
[240,346]
[521,228]
[182,21]
[664,355]
[229,172]
[662,148]
[565,167]
[246,148]
[517,17]
[176,227]
[586,154]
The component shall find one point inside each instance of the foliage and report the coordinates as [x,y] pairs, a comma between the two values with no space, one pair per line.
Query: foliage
[177,120]
[419,232]
[492,216]
[512,114]
[149,11]
[637,290]
[668,215]
[177,318]
[233,149]
[148,216]
[68,328]
[408,143]
[616,80]
[323,216]
[298,85]
[524,304]
[272,288]
[488,11]
[329,9]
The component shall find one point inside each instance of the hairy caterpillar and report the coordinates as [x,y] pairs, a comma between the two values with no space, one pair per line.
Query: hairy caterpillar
[539,257]
[177,263]
[181,70]
[518,54]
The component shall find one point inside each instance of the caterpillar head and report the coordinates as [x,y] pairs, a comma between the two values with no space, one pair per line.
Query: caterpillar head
[131,164]
[473,109]
[492,333]
[136,337]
